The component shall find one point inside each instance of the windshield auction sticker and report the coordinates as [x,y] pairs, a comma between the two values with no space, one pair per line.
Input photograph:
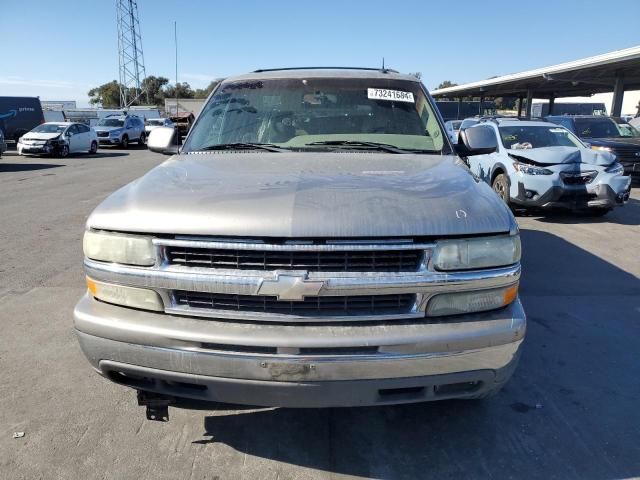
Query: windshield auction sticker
[392,95]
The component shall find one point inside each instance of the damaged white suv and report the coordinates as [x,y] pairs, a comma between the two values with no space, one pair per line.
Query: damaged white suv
[540,164]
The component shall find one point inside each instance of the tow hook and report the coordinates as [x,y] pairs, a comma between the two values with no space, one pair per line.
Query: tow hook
[157,405]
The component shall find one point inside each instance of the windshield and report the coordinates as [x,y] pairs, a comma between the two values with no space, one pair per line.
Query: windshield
[517,138]
[156,122]
[628,130]
[50,128]
[600,128]
[293,113]
[111,122]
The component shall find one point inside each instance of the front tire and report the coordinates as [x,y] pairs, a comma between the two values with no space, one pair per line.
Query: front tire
[501,185]
[94,148]
[64,152]
[142,140]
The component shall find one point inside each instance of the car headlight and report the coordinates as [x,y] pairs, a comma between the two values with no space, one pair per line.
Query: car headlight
[119,248]
[126,296]
[474,253]
[602,149]
[469,302]
[615,169]
[530,169]
[114,133]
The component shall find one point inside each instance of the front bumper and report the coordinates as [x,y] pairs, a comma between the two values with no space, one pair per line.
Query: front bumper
[600,195]
[109,140]
[52,149]
[311,365]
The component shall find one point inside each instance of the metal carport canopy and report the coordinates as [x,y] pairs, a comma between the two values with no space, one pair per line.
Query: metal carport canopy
[578,78]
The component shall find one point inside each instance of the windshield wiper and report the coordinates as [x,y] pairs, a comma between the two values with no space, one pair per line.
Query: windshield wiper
[352,143]
[243,146]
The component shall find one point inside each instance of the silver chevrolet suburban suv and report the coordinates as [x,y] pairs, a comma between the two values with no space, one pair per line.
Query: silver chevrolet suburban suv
[316,242]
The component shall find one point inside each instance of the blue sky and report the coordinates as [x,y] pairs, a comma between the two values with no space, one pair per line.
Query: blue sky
[58,50]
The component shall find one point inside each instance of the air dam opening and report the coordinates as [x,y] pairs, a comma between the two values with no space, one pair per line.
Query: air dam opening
[406,393]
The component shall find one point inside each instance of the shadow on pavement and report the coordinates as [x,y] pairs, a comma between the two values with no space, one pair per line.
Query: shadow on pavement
[25,167]
[570,411]
[105,154]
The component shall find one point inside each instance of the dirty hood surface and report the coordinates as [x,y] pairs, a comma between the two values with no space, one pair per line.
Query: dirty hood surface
[40,136]
[560,155]
[292,194]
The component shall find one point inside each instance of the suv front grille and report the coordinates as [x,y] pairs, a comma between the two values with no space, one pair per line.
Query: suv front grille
[102,134]
[310,306]
[311,261]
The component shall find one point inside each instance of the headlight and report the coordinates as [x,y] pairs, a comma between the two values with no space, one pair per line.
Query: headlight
[469,302]
[114,133]
[615,169]
[127,296]
[119,248]
[472,253]
[530,169]
[602,149]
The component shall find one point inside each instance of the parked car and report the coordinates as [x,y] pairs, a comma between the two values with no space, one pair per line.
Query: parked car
[58,138]
[453,127]
[538,164]
[3,144]
[606,134]
[18,115]
[183,122]
[316,242]
[121,130]
[152,123]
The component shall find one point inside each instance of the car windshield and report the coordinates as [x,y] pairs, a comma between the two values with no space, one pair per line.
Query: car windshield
[111,122]
[524,137]
[155,122]
[50,128]
[600,128]
[627,130]
[299,113]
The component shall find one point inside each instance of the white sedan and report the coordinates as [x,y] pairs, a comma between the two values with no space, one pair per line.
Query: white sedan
[58,138]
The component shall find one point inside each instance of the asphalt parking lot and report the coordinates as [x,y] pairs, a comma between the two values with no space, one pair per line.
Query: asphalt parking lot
[571,410]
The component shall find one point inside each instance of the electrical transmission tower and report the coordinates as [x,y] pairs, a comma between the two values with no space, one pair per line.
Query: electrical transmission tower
[130,57]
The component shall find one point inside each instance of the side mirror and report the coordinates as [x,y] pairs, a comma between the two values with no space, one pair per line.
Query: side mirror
[162,140]
[479,140]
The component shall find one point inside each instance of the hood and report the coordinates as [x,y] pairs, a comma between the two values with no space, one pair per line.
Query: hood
[295,195]
[615,142]
[560,155]
[40,136]
[104,128]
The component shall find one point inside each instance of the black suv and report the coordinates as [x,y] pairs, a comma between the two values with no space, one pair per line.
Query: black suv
[606,133]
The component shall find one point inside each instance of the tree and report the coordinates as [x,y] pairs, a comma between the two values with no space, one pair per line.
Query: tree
[204,92]
[446,84]
[184,91]
[106,95]
[154,87]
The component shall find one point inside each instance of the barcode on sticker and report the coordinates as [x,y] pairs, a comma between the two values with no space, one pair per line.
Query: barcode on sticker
[392,95]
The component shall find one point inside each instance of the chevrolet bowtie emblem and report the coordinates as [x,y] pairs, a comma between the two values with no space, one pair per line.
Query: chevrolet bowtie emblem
[290,286]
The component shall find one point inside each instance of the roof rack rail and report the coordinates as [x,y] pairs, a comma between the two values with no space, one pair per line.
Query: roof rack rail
[383,70]
[495,118]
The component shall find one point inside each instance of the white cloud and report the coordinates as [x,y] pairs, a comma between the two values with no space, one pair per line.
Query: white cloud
[35,83]
[196,77]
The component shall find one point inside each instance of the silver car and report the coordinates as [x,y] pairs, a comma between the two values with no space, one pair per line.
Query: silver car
[316,242]
[121,130]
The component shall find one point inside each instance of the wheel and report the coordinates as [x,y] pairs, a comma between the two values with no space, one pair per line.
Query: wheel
[125,142]
[501,186]
[94,147]
[142,140]
[64,152]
